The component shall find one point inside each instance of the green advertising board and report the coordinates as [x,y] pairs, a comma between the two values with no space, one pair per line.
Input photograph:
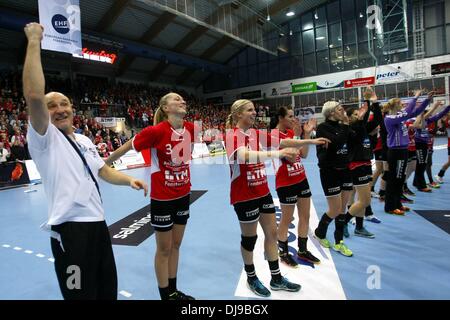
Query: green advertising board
[304,87]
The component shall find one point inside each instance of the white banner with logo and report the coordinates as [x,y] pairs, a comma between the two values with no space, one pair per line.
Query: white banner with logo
[109,122]
[130,160]
[62,25]
[278,91]
[391,74]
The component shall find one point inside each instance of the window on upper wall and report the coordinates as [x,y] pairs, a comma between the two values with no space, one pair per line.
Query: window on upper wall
[296,43]
[323,62]
[336,61]
[252,55]
[434,41]
[361,29]
[309,64]
[285,69]
[235,78]
[350,57]
[333,12]
[448,37]
[321,38]
[335,36]
[253,76]
[262,56]
[434,15]
[308,41]
[365,59]
[320,18]
[243,77]
[447,11]
[349,31]
[297,66]
[263,72]
[295,25]
[274,69]
[348,9]
[242,58]
[307,21]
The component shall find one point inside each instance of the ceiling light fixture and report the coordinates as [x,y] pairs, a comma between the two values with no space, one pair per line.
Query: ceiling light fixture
[290,13]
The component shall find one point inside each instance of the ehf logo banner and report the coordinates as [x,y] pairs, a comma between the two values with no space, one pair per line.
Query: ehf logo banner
[62,25]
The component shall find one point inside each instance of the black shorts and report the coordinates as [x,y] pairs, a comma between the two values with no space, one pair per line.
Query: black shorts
[361,175]
[165,213]
[290,194]
[334,181]
[249,211]
[448,150]
[412,155]
[380,155]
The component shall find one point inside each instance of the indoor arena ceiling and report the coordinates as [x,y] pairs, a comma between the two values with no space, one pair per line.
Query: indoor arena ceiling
[210,31]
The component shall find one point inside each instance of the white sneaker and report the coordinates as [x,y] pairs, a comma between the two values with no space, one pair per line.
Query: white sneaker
[353,221]
[440,180]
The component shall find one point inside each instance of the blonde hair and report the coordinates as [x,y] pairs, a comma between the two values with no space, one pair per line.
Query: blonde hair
[236,108]
[389,106]
[328,108]
[160,114]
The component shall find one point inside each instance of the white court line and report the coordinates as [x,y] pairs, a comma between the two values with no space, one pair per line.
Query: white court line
[125,294]
[320,282]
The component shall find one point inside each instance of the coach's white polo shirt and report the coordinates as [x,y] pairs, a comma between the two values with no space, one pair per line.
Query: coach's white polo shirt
[71,193]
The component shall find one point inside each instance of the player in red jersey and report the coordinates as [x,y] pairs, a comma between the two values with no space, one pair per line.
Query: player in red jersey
[250,193]
[292,187]
[170,140]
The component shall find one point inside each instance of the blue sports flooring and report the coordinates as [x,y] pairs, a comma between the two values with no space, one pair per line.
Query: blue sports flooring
[408,259]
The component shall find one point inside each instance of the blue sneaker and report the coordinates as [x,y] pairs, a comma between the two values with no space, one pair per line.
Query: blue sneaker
[256,286]
[346,234]
[372,219]
[364,233]
[284,285]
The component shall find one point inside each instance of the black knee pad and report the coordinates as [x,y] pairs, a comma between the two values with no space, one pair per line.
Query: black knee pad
[248,243]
